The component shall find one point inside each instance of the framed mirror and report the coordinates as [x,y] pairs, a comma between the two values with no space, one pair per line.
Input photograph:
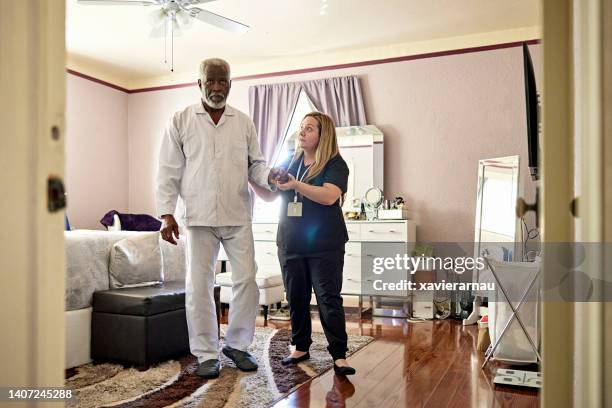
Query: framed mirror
[374,197]
[497,228]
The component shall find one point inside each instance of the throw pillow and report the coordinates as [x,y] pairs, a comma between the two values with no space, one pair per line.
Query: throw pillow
[136,261]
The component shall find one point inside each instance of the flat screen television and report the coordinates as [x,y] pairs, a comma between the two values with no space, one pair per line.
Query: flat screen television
[532,110]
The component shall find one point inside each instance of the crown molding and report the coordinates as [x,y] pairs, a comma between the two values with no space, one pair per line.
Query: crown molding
[319,62]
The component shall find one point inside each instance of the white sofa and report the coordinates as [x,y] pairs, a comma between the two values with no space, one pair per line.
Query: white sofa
[87,257]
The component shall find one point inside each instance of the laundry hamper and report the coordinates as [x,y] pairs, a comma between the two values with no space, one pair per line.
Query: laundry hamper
[516,278]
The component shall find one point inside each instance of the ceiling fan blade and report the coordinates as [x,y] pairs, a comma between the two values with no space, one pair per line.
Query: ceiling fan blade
[163,28]
[117,3]
[195,2]
[218,21]
[160,30]
[156,17]
[177,28]
[183,20]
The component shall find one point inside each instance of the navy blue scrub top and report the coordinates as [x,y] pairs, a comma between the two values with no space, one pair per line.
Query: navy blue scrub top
[321,228]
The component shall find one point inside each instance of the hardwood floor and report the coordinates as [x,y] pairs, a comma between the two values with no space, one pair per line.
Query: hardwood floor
[426,364]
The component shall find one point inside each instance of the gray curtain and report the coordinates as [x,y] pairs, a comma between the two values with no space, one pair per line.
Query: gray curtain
[271,106]
[340,98]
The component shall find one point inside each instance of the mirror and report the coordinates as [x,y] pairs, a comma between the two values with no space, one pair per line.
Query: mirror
[497,226]
[374,197]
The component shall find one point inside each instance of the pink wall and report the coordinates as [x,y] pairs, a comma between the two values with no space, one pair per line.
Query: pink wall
[439,117]
[96,151]
[149,113]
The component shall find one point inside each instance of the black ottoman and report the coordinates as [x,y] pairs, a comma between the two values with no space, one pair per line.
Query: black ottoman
[141,326]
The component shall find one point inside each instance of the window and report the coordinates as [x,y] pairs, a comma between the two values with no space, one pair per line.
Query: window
[303,106]
[269,212]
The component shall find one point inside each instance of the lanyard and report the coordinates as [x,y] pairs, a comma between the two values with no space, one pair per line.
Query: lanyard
[297,176]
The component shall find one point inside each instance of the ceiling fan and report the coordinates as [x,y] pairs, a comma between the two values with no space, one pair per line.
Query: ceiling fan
[171,16]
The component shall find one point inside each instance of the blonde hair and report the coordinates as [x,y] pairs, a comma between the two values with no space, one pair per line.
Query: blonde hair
[327,147]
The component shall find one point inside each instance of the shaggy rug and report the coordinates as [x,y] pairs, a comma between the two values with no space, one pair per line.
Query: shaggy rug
[175,384]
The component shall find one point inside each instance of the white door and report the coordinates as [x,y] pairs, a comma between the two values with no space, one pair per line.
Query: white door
[573,165]
[32,75]
[607,182]
[556,192]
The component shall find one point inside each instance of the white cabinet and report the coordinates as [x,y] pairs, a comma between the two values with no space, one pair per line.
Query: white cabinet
[354,231]
[266,256]
[385,232]
[264,231]
[391,237]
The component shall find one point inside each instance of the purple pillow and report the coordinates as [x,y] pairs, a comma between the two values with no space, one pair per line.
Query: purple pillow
[132,222]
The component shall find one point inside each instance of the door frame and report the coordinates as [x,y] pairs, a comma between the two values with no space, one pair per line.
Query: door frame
[32,84]
[606,32]
[556,193]
[589,176]
[573,164]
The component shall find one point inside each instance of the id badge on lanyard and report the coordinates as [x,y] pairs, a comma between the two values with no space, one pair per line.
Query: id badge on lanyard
[294,208]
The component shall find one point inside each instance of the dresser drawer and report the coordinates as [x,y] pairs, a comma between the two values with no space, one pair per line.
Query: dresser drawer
[393,232]
[266,253]
[352,255]
[354,231]
[351,286]
[352,271]
[264,232]
[351,279]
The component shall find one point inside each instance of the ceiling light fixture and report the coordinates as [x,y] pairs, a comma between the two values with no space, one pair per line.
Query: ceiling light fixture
[323,9]
[174,15]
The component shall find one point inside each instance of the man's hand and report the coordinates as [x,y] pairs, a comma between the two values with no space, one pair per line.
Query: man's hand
[277,174]
[168,228]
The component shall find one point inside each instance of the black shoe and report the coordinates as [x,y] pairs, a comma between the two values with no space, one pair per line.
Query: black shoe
[209,368]
[242,359]
[294,360]
[344,370]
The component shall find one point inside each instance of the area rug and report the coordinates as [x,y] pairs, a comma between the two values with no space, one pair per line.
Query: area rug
[175,384]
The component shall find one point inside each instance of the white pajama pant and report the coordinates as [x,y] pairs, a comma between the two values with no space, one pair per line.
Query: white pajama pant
[202,251]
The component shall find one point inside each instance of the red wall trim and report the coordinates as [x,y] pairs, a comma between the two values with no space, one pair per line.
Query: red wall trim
[323,68]
[389,60]
[99,81]
[164,87]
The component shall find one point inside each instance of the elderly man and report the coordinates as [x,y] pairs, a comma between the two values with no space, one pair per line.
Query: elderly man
[208,155]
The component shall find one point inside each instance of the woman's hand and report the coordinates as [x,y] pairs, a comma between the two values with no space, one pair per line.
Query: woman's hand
[291,184]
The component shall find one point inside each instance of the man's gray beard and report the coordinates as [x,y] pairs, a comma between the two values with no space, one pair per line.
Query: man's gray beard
[215,105]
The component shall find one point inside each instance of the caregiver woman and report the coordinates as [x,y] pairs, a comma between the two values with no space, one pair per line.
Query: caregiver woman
[311,237]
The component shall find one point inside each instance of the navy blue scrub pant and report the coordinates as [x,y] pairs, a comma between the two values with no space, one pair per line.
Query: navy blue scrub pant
[323,274]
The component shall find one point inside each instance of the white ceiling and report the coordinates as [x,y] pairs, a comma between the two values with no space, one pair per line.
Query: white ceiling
[115,39]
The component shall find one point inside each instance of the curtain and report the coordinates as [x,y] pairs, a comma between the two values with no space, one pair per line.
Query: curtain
[340,98]
[271,106]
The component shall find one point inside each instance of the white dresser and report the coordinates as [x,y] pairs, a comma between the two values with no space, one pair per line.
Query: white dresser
[397,236]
